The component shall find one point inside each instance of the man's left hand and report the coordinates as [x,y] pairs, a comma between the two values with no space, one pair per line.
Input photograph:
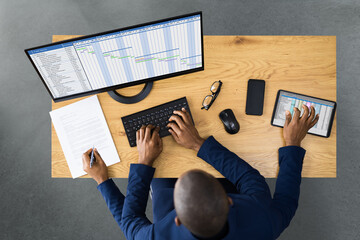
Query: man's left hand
[149,144]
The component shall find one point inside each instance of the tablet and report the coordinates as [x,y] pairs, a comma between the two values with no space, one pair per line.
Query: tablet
[286,100]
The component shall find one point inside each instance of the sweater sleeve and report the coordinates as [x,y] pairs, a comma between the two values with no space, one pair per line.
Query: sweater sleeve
[135,224]
[113,197]
[287,190]
[246,179]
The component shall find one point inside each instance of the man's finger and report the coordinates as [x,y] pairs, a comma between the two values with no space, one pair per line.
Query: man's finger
[158,140]
[315,121]
[156,133]
[188,116]
[312,114]
[142,132]
[160,143]
[174,127]
[148,131]
[296,113]
[183,115]
[98,157]
[175,136]
[305,115]
[88,152]
[157,129]
[137,137]
[86,155]
[287,118]
[178,120]
[86,159]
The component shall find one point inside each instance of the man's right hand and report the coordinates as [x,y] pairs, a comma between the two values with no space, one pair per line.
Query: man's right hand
[183,130]
[98,171]
[295,129]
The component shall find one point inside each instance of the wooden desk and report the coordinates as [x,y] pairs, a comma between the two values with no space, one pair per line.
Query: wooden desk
[304,64]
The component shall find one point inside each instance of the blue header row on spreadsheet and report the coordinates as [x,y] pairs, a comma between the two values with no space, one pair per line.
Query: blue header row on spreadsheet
[306,100]
[114,34]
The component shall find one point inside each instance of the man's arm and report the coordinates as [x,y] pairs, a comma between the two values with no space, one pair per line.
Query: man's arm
[287,191]
[135,224]
[129,212]
[246,179]
[113,197]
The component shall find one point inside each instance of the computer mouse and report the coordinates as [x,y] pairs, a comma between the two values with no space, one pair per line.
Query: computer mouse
[230,123]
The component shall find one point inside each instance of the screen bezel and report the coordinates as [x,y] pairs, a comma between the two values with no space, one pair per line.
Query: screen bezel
[331,119]
[123,85]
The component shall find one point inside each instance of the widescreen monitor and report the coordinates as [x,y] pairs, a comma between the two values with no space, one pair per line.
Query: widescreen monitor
[120,58]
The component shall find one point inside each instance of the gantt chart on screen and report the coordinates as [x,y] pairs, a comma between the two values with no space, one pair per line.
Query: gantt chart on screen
[287,102]
[120,57]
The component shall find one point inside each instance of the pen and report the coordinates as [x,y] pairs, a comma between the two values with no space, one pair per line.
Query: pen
[92,157]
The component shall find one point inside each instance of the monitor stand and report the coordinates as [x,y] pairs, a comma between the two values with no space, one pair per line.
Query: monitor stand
[132,99]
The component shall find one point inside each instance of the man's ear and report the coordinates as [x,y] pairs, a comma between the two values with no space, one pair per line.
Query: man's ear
[177,221]
[230,201]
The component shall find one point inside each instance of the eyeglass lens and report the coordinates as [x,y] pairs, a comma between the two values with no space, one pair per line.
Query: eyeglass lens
[214,87]
[207,100]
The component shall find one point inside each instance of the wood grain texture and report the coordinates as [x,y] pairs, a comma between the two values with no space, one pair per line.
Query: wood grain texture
[303,64]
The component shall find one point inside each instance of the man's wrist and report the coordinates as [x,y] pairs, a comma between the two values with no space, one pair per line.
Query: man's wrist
[145,162]
[292,143]
[101,180]
[198,144]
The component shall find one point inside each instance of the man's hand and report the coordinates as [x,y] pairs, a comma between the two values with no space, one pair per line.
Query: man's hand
[98,171]
[296,128]
[183,130]
[149,145]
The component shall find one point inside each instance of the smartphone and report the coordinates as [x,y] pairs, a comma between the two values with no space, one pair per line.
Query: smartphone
[255,97]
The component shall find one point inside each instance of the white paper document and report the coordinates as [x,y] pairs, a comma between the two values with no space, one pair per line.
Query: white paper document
[80,126]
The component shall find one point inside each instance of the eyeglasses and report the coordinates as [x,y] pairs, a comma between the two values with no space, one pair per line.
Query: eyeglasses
[209,99]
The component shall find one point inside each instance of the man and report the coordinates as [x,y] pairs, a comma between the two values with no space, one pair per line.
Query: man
[200,206]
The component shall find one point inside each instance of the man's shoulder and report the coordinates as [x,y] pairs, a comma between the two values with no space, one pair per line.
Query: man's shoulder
[255,203]
[167,229]
[249,215]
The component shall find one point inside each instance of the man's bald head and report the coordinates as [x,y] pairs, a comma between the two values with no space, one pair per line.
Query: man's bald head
[201,203]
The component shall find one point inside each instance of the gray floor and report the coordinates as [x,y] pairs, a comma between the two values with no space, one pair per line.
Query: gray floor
[35,206]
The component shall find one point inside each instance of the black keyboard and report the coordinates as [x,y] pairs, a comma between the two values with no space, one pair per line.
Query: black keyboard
[157,116]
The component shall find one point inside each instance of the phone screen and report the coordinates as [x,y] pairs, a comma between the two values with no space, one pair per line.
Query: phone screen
[255,97]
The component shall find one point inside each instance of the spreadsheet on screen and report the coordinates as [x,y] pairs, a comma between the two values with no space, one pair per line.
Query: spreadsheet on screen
[120,57]
[287,101]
